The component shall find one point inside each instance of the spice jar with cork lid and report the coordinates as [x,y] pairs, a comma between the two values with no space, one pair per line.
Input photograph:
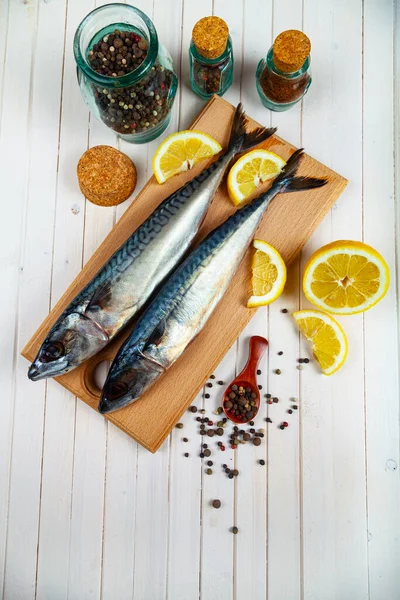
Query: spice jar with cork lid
[284,76]
[210,57]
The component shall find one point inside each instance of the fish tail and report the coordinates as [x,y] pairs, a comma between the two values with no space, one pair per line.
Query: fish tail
[242,140]
[287,180]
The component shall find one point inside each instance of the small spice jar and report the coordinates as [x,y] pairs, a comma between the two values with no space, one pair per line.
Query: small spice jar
[210,57]
[126,76]
[284,76]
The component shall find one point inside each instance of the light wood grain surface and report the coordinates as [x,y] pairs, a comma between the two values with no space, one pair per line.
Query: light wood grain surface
[84,511]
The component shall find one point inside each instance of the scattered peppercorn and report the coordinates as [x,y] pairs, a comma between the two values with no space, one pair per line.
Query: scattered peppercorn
[205,446]
[209,384]
[270,401]
[185,440]
[294,406]
[300,367]
[258,372]
[281,426]
[207,452]
[251,423]
[259,387]
[202,411]
[198,419]
[275,400]
[268,395]
[278,371]
[284,310]
[216,503]
[280,353]
[211,433]
[210,463]
[306,360]
[268,420]
[179,425]
[209,471]
[186,454]
[285,424]
[201,455]
[230,475]
[224,466]
[220,431]
[252,430]
[262,462]
[220,382]
[290,411]
[212,376]
[207,396]
[235,530]
[193,409]
[256,441]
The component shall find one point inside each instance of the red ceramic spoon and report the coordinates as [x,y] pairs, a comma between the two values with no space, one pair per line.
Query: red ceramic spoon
[248,377]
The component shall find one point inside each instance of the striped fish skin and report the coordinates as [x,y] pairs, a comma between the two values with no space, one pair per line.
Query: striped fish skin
[113,297]
[185,303]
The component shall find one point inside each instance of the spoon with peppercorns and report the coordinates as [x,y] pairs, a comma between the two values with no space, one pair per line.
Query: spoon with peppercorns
[241,399]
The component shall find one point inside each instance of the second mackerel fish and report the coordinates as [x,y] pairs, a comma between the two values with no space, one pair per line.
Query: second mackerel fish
[126,281]
[185,303]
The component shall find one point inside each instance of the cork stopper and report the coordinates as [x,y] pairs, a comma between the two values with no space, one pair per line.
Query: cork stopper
[106,176]
[291,49]
[210,36]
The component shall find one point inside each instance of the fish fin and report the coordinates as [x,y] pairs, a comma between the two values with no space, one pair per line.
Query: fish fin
[100,297]
[242,140]
[288,181]
[156,336]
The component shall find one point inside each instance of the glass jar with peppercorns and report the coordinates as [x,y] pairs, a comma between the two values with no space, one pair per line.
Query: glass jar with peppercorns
[210,57]
[126,77]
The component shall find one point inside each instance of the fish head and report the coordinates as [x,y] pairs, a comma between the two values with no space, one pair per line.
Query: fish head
[72,340]
[127,380]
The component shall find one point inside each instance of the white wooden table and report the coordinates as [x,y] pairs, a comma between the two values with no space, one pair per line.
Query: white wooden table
[85,512]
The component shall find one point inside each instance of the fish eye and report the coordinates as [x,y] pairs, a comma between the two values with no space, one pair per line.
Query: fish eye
[115,389]
[52,351]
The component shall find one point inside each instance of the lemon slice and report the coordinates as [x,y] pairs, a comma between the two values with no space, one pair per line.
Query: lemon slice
[329,342]
[180,151]
[346,277]
[250,171]
[269,274]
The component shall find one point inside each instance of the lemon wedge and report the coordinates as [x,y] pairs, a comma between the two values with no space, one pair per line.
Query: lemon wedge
[269,274]
[329,342]
[346,277]
[180,151]
[250,171]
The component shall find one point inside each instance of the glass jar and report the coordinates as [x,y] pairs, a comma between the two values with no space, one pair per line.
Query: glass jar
[278,90]
[210,76]
[136,105]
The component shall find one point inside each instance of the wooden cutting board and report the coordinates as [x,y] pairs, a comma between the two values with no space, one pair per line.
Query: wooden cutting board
[287,225]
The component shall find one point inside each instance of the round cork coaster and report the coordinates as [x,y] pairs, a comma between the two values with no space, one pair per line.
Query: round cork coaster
[291,49]
[210,36]
[106,176]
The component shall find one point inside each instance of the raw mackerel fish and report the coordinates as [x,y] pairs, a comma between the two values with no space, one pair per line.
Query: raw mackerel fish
[126,281]
[184,304]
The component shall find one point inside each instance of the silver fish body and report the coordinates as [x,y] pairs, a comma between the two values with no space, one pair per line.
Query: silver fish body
[185,303]
[127,280]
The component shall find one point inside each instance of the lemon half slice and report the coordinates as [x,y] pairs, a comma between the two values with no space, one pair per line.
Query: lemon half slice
[269,274]
[346,277]
[250,171]
[329,342]
[180,151]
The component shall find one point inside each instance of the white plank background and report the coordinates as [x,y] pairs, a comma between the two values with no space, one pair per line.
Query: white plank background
[84,512]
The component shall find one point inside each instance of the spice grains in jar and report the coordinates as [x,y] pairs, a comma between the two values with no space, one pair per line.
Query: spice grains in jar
[135,108]
[284,77]
[210,57]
